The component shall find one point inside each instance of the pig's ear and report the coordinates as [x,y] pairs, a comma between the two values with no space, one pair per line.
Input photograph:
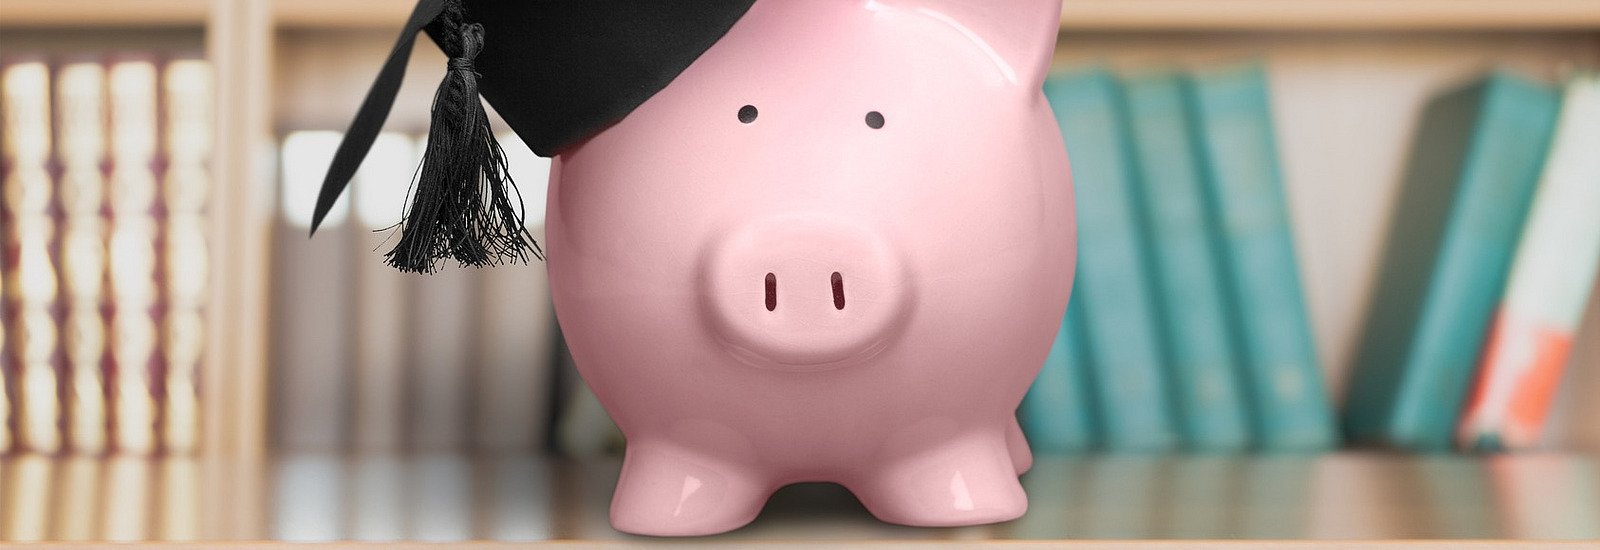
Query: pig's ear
[1022,32]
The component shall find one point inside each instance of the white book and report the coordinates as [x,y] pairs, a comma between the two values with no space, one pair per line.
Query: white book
[517,332]
[312,313]
[126,513]
[81,123]
[1551,274]
[78,499]
[522,507]
[378,498]
[134,262]
[179,499]
[28,505]
[441,507]
[187,86]
[31,279]
[380,293]
[308,498]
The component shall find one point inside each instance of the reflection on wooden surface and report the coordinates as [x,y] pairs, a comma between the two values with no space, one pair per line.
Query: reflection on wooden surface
[449,497]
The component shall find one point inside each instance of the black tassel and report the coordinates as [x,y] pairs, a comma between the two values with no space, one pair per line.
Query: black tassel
[461,204]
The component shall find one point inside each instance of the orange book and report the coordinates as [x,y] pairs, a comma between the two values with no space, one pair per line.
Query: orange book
[1551,275]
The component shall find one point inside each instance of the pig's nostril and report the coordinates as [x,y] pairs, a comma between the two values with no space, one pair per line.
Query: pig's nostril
[772,292]
[838,291]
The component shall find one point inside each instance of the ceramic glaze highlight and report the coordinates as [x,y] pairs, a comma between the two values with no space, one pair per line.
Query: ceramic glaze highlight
[766,283]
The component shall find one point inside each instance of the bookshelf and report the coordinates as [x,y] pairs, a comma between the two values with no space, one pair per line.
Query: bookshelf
[1377,59]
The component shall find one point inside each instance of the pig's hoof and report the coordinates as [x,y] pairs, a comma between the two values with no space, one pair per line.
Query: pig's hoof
[665,492]
[966,484]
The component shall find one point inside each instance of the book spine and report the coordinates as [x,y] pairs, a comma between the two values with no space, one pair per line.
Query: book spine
[516,340]
[1499,172]
[127,498]
[134,242]
[80,92]
[1233,124]
[31,281]
[79,502]
[1057,413]
[186,89]
[381,310]
[443,349]
[1113,299]
[312,316]
[1551,276]
[1205,383]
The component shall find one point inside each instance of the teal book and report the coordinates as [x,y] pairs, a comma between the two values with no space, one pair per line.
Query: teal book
[1057,415]
[1244,189]
[1471,176]
[1112,299]
[1209,402]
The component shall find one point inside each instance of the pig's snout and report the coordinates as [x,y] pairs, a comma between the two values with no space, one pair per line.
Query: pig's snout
[803,293]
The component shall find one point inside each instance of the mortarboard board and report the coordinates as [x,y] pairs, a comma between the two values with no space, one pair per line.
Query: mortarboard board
[557,71]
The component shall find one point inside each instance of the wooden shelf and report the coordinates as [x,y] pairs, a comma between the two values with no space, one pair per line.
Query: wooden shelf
[443,497]
[1077,15]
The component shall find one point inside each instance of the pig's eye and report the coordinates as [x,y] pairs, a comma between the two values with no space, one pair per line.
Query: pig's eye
[747,114]
[875,120]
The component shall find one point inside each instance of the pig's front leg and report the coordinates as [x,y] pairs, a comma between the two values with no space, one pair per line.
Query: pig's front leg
[667,491]
[969,480]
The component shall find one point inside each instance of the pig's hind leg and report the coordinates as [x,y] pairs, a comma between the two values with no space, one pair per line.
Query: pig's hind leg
[970,480]
[665,491]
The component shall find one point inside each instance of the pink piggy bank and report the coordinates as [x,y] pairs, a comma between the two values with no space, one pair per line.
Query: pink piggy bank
[836,248]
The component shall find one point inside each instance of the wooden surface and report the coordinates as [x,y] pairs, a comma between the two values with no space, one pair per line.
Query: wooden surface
[1076,14]
[453,498]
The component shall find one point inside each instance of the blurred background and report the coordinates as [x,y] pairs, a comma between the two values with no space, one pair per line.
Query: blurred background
[180,362]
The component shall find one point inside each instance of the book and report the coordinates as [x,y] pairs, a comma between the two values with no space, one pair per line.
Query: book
[1209,402]
[1465,194]
[312,317]
[29,247]
[1057,414]
[442,349]
[78,498]
[1282,375]
[521,499]
[81,145]
[126,495]
[29,498]
[517,337]
[309,498]
[133,252]
[1112,297]
[1549,284]
[377,497]
[179,498]
[187,106]
[380,295]
[446,513]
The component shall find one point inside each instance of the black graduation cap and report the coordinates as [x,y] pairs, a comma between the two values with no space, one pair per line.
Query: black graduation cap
[557,71]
